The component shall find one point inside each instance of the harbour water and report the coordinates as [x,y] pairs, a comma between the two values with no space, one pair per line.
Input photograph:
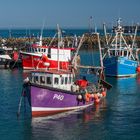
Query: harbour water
[116,118]
[16,33]
[36,32]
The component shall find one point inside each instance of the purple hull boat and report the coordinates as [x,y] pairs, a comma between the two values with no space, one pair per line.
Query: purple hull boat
[54,91]
[49,101]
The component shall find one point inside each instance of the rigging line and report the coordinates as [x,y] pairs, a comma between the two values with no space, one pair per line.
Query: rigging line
[92,57]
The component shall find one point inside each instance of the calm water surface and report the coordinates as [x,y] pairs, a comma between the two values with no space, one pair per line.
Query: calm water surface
[116,118]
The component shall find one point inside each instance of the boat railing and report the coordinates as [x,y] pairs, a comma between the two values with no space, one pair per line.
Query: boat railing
[130,53]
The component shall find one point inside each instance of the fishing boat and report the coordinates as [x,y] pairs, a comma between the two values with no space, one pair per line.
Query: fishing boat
[53,91]
[120,58]
[38,56]
[4,57]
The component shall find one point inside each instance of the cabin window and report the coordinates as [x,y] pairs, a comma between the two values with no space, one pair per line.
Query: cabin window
[125,53]
[49,80]
[62,80]
[66,80]
[113,52]
[69,80]
[32,78]
[38,49]
[56,81]
[110,52]
[49,53]
[42,79]
[36,79]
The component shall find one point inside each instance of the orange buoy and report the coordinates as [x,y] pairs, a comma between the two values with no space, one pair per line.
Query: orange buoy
[138,69]
[104,94]
[87,96]
[97,101]
[95,96]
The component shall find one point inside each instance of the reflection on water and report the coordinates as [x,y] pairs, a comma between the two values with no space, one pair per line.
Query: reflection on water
[117,117]
[124,108]
[94,113]
[68,125]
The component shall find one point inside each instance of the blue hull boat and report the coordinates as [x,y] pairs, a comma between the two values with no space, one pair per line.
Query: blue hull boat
[120,59]
[120,67]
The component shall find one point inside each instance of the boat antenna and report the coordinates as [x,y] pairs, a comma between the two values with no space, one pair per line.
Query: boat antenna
[134,36]
[90,24]
[104,27]
[40,39]
[75,41]
[95,28]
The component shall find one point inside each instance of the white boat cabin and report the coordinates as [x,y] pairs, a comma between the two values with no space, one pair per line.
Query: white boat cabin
[119,47]
[63,54]
[53,79]
[124,52]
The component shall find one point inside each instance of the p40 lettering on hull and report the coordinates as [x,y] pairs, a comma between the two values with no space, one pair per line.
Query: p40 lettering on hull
[58,97]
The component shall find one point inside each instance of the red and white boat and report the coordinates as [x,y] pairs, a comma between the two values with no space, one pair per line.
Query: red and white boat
[38,56]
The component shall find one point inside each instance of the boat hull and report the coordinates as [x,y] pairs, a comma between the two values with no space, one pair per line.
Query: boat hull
[49,101]
[120,66]
[30,62]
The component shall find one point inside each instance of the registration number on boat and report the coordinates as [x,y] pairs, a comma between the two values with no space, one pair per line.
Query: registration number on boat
[58,97]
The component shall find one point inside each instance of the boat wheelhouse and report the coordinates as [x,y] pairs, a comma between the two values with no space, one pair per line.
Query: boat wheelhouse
[46,57]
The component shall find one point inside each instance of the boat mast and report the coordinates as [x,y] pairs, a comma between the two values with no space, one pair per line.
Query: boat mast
[99,43]
[40,39]
[90,25]
[59,43]
[134,36]
[104,27]
[77,50]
